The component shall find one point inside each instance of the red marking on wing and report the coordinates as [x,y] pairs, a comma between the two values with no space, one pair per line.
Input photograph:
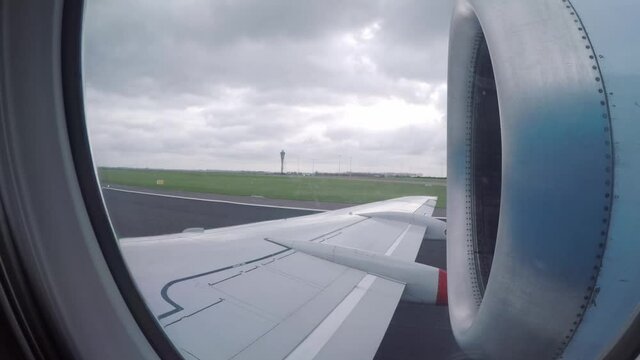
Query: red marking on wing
[441,297]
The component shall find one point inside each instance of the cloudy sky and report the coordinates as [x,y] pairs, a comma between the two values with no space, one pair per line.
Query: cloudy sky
[227,84]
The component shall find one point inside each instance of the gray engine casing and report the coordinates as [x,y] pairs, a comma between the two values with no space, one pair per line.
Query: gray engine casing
[543,120]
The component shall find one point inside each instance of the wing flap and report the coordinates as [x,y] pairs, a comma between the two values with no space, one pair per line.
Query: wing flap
[279,341]
[359,336]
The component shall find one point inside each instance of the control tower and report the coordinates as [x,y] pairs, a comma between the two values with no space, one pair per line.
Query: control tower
[282,162]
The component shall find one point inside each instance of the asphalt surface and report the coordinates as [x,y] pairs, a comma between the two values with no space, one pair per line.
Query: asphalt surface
[415,331]
[257,200]
[134,214]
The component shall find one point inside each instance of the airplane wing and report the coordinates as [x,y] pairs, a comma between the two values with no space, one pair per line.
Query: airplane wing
[229,293]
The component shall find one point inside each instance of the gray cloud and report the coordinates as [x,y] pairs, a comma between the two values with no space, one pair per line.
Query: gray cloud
[227,84]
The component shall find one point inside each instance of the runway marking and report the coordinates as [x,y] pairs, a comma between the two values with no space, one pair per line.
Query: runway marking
[213,200]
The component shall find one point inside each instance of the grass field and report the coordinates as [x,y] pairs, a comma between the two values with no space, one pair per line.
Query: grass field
[313,188]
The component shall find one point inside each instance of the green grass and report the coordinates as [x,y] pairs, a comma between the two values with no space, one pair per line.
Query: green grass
[314,188]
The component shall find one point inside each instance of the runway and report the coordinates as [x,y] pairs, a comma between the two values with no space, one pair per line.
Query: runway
[134,213]
[415,331]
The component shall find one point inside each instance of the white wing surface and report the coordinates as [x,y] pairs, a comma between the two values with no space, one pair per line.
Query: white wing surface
[229,294]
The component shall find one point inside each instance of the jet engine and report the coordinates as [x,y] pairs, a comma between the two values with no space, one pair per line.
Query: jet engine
[543,124]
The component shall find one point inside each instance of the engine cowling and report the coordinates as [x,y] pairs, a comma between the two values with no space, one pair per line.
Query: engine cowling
[542,164]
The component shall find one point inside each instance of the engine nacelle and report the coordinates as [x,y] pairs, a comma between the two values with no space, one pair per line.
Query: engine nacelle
[543,126]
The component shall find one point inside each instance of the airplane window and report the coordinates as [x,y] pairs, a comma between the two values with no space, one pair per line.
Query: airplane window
[268,179]
[388,179]
[216,125]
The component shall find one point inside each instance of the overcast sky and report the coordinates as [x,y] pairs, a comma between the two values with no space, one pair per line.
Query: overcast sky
[227,84]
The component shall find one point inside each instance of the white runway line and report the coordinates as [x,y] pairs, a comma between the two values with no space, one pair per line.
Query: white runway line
[212,200]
